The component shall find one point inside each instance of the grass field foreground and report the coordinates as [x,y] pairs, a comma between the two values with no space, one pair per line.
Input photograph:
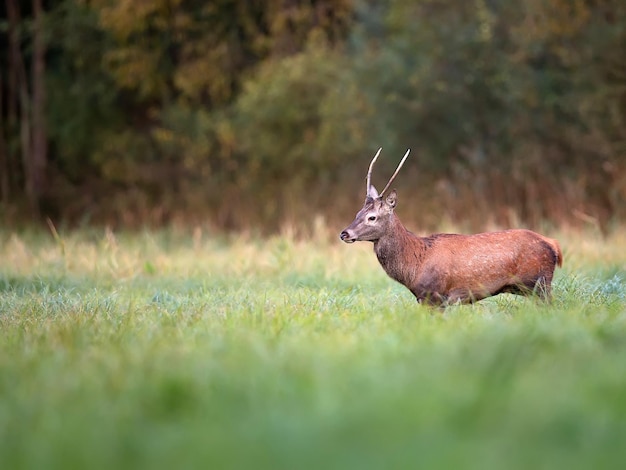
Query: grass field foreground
[166,349]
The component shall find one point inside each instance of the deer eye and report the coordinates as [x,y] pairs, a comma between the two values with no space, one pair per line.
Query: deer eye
[371,217]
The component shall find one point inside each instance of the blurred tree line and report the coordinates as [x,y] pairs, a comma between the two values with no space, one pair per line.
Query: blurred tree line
[252,113]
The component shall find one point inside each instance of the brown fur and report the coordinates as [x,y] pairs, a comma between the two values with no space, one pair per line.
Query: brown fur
[442,269]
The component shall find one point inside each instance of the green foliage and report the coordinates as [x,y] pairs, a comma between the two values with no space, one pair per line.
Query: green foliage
[484,82]
[292,118]
[160,349]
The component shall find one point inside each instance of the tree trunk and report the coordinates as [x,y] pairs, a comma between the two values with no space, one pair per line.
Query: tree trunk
[4,157]
[20,115]
[39,155]
[25,112]
[13,95]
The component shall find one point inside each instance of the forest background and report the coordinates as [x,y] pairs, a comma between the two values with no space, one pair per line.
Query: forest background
[249,115]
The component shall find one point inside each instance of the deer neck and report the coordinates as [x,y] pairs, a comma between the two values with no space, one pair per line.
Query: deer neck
[398,250]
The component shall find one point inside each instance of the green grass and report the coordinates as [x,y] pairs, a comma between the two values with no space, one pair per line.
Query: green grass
[166,350]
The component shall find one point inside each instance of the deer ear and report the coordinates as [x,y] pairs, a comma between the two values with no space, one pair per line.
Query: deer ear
[371,192]
[392,199]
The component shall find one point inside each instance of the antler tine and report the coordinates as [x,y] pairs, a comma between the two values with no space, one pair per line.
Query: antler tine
[395,173]
[369,172]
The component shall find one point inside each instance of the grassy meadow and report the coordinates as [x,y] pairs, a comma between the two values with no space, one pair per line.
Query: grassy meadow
[177,350]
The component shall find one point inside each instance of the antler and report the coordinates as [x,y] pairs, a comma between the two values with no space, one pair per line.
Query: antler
[368,183]
[392,176]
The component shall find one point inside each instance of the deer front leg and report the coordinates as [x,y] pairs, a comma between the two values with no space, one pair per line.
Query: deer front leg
[431,299]
[429,290]
[465,296]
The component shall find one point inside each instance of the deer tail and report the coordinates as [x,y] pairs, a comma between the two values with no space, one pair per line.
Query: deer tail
[557,250]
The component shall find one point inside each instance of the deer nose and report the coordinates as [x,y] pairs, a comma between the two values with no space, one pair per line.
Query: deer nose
[345,237]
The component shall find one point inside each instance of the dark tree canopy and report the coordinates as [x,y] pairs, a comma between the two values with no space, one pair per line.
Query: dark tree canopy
[252,113]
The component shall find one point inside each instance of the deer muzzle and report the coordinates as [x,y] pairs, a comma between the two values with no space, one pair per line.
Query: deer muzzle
[347,237]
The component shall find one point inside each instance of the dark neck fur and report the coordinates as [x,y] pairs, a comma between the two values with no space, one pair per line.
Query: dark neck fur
[399,251]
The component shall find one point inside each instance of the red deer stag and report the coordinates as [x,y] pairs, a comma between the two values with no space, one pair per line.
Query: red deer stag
[445,268]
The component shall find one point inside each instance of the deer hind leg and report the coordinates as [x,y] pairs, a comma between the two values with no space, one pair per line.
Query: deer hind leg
[539,286]
[543,288]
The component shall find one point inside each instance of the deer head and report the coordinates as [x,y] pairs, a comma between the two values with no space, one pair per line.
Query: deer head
[372,221]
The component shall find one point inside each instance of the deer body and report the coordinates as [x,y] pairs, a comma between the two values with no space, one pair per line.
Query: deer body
[442,269]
